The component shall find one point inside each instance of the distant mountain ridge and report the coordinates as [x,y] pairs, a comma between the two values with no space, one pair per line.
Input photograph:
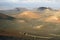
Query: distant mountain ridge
[13,11]
[44,8]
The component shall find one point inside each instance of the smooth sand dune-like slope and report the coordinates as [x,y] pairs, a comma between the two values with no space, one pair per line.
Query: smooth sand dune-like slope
[28,14]
[52,19]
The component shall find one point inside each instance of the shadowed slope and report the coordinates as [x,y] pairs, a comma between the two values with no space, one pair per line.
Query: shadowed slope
[3,16]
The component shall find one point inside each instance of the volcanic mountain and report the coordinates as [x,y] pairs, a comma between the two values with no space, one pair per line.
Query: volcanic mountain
[44,8]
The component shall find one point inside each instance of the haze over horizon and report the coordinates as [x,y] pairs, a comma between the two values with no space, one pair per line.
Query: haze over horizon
[29,3]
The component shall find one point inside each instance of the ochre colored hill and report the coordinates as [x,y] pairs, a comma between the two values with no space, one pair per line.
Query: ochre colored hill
[28,14]
[52,19]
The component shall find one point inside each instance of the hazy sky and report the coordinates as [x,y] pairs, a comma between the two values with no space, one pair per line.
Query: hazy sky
[29,3]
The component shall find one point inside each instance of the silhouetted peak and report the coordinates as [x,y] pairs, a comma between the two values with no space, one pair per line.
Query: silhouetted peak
[44,8]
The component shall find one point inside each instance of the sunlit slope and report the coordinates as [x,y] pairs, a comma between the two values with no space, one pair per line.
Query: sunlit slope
[52,19]
[28,14]
[50,16]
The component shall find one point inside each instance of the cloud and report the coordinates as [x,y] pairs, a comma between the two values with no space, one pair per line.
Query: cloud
[14,1]
[30,3]
[9,1]
[36,1]
[27,1]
